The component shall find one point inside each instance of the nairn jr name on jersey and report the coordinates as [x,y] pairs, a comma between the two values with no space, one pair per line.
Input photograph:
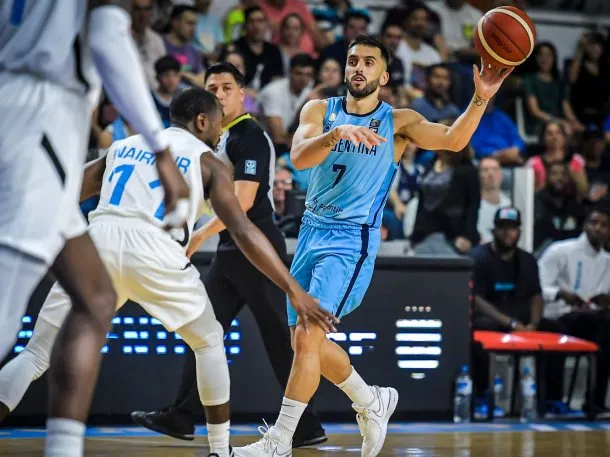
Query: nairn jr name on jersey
[148,157]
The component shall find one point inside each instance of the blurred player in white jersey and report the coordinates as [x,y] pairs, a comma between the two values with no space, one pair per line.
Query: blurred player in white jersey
[52,53]
[150,266]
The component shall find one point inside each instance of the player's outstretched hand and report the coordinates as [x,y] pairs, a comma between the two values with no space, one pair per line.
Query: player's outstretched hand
[488,80]
[176,190]
[358,134]
[310,312]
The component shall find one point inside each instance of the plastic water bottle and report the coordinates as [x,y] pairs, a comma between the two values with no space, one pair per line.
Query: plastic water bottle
[498,388]
[463,395]
[528,396]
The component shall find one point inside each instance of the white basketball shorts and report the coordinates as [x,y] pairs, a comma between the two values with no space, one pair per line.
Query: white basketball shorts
[44,131]
[147,267]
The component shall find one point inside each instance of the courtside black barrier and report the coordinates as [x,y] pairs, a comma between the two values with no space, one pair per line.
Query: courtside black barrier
[411,332]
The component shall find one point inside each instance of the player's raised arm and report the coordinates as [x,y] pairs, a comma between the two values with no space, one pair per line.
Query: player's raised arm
[255,246]
[432,136]
[310,145]
[118,63]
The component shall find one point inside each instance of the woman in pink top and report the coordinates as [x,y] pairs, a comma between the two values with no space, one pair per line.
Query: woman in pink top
[554,139]
[276,10]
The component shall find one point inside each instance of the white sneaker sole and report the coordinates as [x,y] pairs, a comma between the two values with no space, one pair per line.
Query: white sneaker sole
[386,419]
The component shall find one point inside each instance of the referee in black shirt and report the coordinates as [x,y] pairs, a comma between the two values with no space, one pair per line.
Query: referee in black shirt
[232,280]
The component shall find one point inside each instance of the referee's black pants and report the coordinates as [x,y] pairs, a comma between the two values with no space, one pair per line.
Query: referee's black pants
[231,283]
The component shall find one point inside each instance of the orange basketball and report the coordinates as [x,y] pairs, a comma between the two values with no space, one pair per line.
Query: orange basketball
[505,36]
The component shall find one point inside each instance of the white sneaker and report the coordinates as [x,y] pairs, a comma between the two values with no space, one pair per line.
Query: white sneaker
[270,445]
[373,420]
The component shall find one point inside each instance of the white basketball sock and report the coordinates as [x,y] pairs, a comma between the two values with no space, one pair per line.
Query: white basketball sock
[65,438]
[289,417]
[357,390]
[218,438]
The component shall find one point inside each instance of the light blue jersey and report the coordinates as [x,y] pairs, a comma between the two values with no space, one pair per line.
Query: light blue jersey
[340,236]
[353,183]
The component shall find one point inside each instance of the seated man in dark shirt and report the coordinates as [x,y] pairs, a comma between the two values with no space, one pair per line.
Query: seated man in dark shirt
[262,59]
[507,293]
[558,215]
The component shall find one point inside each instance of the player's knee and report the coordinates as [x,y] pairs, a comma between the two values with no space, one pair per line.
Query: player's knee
[101,308]
[211,340]
[202,334]
[307,341]
[107,300]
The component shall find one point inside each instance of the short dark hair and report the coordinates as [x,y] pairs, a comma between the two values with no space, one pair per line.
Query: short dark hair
[190,102]
[290,16]
[356,13]
[250,11]
[431,68]
[165,64]
[225,67]
[413,7]
[302,60]
[602,207]
[179,10]
[366,40]
[387,24]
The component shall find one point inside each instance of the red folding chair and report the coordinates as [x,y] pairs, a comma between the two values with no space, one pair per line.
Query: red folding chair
[504,343]
[569,345]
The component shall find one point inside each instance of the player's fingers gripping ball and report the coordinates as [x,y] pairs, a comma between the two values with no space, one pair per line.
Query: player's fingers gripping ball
[505,37]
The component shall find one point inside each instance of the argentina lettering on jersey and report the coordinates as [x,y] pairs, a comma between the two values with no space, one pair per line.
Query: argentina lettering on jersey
[353,182]
[131,187]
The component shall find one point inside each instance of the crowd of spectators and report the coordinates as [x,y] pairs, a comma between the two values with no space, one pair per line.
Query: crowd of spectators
[291,53]
[441,202]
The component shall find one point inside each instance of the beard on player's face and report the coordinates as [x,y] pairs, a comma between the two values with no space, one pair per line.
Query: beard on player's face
[363,92]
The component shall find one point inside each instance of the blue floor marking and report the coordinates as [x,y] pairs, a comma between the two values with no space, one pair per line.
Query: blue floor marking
[335,429]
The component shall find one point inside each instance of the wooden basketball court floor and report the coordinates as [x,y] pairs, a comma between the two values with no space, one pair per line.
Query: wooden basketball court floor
[408,440]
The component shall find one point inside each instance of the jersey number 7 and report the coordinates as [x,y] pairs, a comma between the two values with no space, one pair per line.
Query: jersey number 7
[124,173]
[337,167]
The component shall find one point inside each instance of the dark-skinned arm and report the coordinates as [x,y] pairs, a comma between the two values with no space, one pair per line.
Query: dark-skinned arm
[92,178]
[536,308]
[490,310]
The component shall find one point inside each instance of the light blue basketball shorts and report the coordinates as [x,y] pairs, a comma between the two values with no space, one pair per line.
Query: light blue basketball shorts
[334,262]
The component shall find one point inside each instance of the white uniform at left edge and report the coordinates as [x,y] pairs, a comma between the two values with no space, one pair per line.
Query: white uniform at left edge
[48,85]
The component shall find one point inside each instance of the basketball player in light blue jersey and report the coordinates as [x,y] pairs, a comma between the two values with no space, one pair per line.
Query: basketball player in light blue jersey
[353,145]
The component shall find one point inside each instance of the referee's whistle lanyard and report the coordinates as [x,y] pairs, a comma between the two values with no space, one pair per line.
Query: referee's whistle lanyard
[236,121]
